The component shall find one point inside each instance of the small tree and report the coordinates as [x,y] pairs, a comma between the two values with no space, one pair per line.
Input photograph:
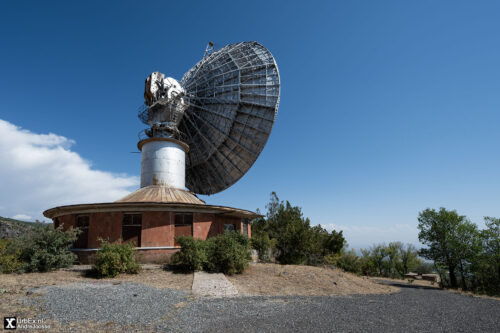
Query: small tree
[394,258]
[350,262]
[367,263]
[291,237]
[467,243]
[407,259]
[487,266]
[323,244]
[47,248]
[263,244]
[378,254]
[438,230]
[291,232]
[9,257]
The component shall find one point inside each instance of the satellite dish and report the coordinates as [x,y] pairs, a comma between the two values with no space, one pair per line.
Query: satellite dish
[223,108]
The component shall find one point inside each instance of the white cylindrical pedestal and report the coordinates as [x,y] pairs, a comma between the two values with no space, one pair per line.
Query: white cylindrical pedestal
[163,162]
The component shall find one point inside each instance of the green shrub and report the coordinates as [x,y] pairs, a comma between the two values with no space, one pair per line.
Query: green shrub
[264,245]
[349,262]
[315,259]
[295,240]
[9,258]
[228,253]
[331,259]
[425,268]
[239,238]
[192,255]
[113,259]
[47,249]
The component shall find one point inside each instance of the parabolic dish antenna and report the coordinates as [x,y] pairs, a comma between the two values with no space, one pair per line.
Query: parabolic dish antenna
[223,108]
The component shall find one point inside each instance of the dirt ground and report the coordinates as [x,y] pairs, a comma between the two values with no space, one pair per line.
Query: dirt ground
[276,280]
[153,275]
[258,279]
[429,284]
[416,282]
[13,287]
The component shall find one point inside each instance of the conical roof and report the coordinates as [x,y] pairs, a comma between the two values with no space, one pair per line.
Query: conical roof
[162,194]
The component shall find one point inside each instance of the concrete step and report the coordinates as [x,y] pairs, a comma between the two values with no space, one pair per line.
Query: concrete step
[212,285]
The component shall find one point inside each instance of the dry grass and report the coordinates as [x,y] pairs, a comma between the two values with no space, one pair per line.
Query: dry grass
[159,278]
[152,275]
[275,280]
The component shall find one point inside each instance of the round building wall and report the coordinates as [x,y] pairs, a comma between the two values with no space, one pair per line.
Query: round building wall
[153,232]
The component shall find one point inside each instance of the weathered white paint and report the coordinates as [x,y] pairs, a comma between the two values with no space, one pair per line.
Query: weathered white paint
[163,163]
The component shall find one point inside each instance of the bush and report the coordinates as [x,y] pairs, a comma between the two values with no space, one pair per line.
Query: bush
[113,259]
[291,238]
[349,262]
[239,238]
[331,259]
[264,245]
[425,268]
[47,249]
[9,258]
[228,253]
[192,255]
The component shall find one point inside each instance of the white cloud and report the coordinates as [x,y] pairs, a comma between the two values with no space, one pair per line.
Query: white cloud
[22,217]
[363,236]
[39,171]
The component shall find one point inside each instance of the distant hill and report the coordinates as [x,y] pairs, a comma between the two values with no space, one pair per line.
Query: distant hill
[10,228]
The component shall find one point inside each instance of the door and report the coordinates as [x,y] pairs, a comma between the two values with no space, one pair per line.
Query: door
[82,222]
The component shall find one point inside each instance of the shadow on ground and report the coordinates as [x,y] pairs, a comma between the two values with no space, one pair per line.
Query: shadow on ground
[405,285]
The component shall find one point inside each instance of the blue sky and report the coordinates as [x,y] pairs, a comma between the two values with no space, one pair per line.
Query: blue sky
[387,107]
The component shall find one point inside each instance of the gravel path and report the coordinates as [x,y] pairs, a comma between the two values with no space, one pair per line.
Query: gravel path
[413,309]
[126,303]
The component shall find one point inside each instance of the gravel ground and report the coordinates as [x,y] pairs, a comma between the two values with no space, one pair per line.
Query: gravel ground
[413,309]
[124,303]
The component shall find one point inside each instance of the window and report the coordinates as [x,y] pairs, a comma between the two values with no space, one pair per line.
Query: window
[82,222]
[229,227]
[131,228]
[56,223]
[245,227]
[183,225]
[183,219]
